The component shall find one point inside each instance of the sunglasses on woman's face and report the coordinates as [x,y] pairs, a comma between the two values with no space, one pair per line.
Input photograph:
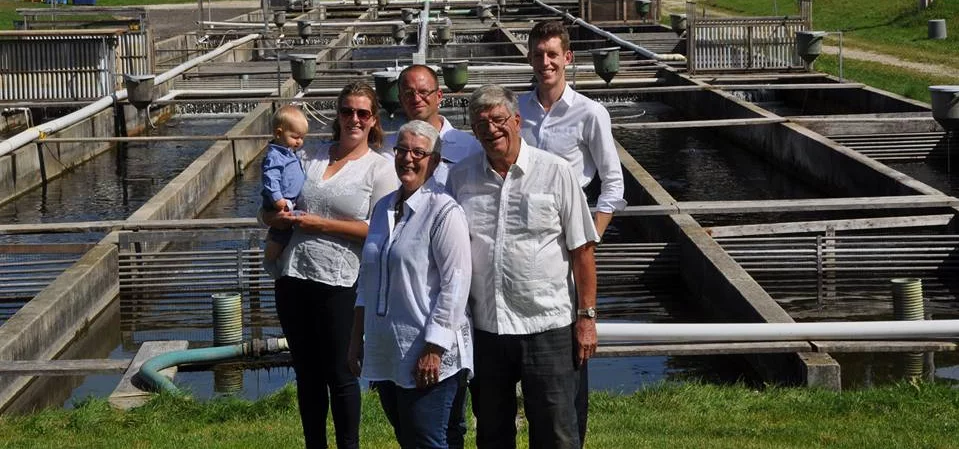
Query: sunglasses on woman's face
[362,114]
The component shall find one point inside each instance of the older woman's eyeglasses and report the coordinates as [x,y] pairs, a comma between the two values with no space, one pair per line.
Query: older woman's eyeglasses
[362,114]
[416,153]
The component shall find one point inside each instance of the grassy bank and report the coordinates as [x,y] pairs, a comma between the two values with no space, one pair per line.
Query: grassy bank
[893,27]
[674,416]
[905,82]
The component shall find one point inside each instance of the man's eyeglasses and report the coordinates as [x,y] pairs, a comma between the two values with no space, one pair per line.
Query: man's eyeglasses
[498,122]
[424,94]
[362,114]
[417,153]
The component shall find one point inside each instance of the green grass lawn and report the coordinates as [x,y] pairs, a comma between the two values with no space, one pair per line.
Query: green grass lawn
[905,82]
[663,416]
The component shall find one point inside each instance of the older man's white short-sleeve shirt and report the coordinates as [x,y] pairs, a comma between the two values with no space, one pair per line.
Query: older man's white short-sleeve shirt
[521,230]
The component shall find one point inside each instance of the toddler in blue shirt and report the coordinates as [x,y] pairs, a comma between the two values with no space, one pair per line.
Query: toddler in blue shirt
[283,173]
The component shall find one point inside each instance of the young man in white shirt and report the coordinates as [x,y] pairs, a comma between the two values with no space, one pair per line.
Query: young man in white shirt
[568,124]
[531,235]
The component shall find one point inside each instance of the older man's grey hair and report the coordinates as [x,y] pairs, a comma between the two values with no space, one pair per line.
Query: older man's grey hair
[491,96]
[422,129]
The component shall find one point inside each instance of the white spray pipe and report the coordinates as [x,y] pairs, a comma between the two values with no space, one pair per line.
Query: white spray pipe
[742,332]
[619,41]
[39,131]
[223,92]
[358,23]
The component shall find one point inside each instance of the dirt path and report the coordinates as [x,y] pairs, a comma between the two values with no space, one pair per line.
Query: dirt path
[679,6]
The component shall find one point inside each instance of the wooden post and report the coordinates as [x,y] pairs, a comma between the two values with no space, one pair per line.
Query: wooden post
[691,62]
[829,263]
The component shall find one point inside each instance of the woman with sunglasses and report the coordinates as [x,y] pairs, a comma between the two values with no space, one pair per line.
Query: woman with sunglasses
[411,335]
[316,288]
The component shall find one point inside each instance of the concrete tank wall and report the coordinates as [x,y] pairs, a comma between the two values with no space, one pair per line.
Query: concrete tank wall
[28,166]
[791,147]
[860,100]
[12,121]
[722,288]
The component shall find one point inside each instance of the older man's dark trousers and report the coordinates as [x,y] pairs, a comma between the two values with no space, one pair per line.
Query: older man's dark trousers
[544,364]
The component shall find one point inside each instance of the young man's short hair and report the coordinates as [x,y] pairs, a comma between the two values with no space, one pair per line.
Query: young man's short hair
[548,30]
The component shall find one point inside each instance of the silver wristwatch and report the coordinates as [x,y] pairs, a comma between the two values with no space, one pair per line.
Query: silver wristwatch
[589,312]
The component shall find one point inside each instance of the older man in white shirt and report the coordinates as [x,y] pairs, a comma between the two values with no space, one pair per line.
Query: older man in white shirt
[531,237]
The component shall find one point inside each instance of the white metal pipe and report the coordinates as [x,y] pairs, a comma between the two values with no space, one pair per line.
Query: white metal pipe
[619,41]
[358,23]
[742,332]
[36,132]
[224,92]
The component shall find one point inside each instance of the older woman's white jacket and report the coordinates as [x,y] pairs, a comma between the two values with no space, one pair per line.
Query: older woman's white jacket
[414,285]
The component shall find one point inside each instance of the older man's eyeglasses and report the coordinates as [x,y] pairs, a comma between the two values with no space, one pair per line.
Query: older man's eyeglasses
[362,114]
[416,153]
[497,122]
[424,94]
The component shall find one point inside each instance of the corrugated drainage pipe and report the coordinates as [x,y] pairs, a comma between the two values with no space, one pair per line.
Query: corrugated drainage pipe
[227,318]
[618,40]
[907,305]
[150,370]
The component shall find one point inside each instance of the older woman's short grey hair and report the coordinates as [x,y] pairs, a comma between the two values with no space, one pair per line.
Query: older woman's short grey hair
[422,129]
[491,96]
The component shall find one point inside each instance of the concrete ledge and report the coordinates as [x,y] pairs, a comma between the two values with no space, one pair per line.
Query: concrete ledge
[127,395]
[43,327]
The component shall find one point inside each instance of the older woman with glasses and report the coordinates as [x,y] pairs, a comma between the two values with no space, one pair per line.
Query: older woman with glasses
[412,297]
[316,288]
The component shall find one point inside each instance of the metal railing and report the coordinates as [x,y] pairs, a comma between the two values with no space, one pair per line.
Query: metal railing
[848,272]
[744,43]
[206,261]
[901,147]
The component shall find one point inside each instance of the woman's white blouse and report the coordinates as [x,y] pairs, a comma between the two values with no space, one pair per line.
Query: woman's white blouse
[414,285]
[348,195]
